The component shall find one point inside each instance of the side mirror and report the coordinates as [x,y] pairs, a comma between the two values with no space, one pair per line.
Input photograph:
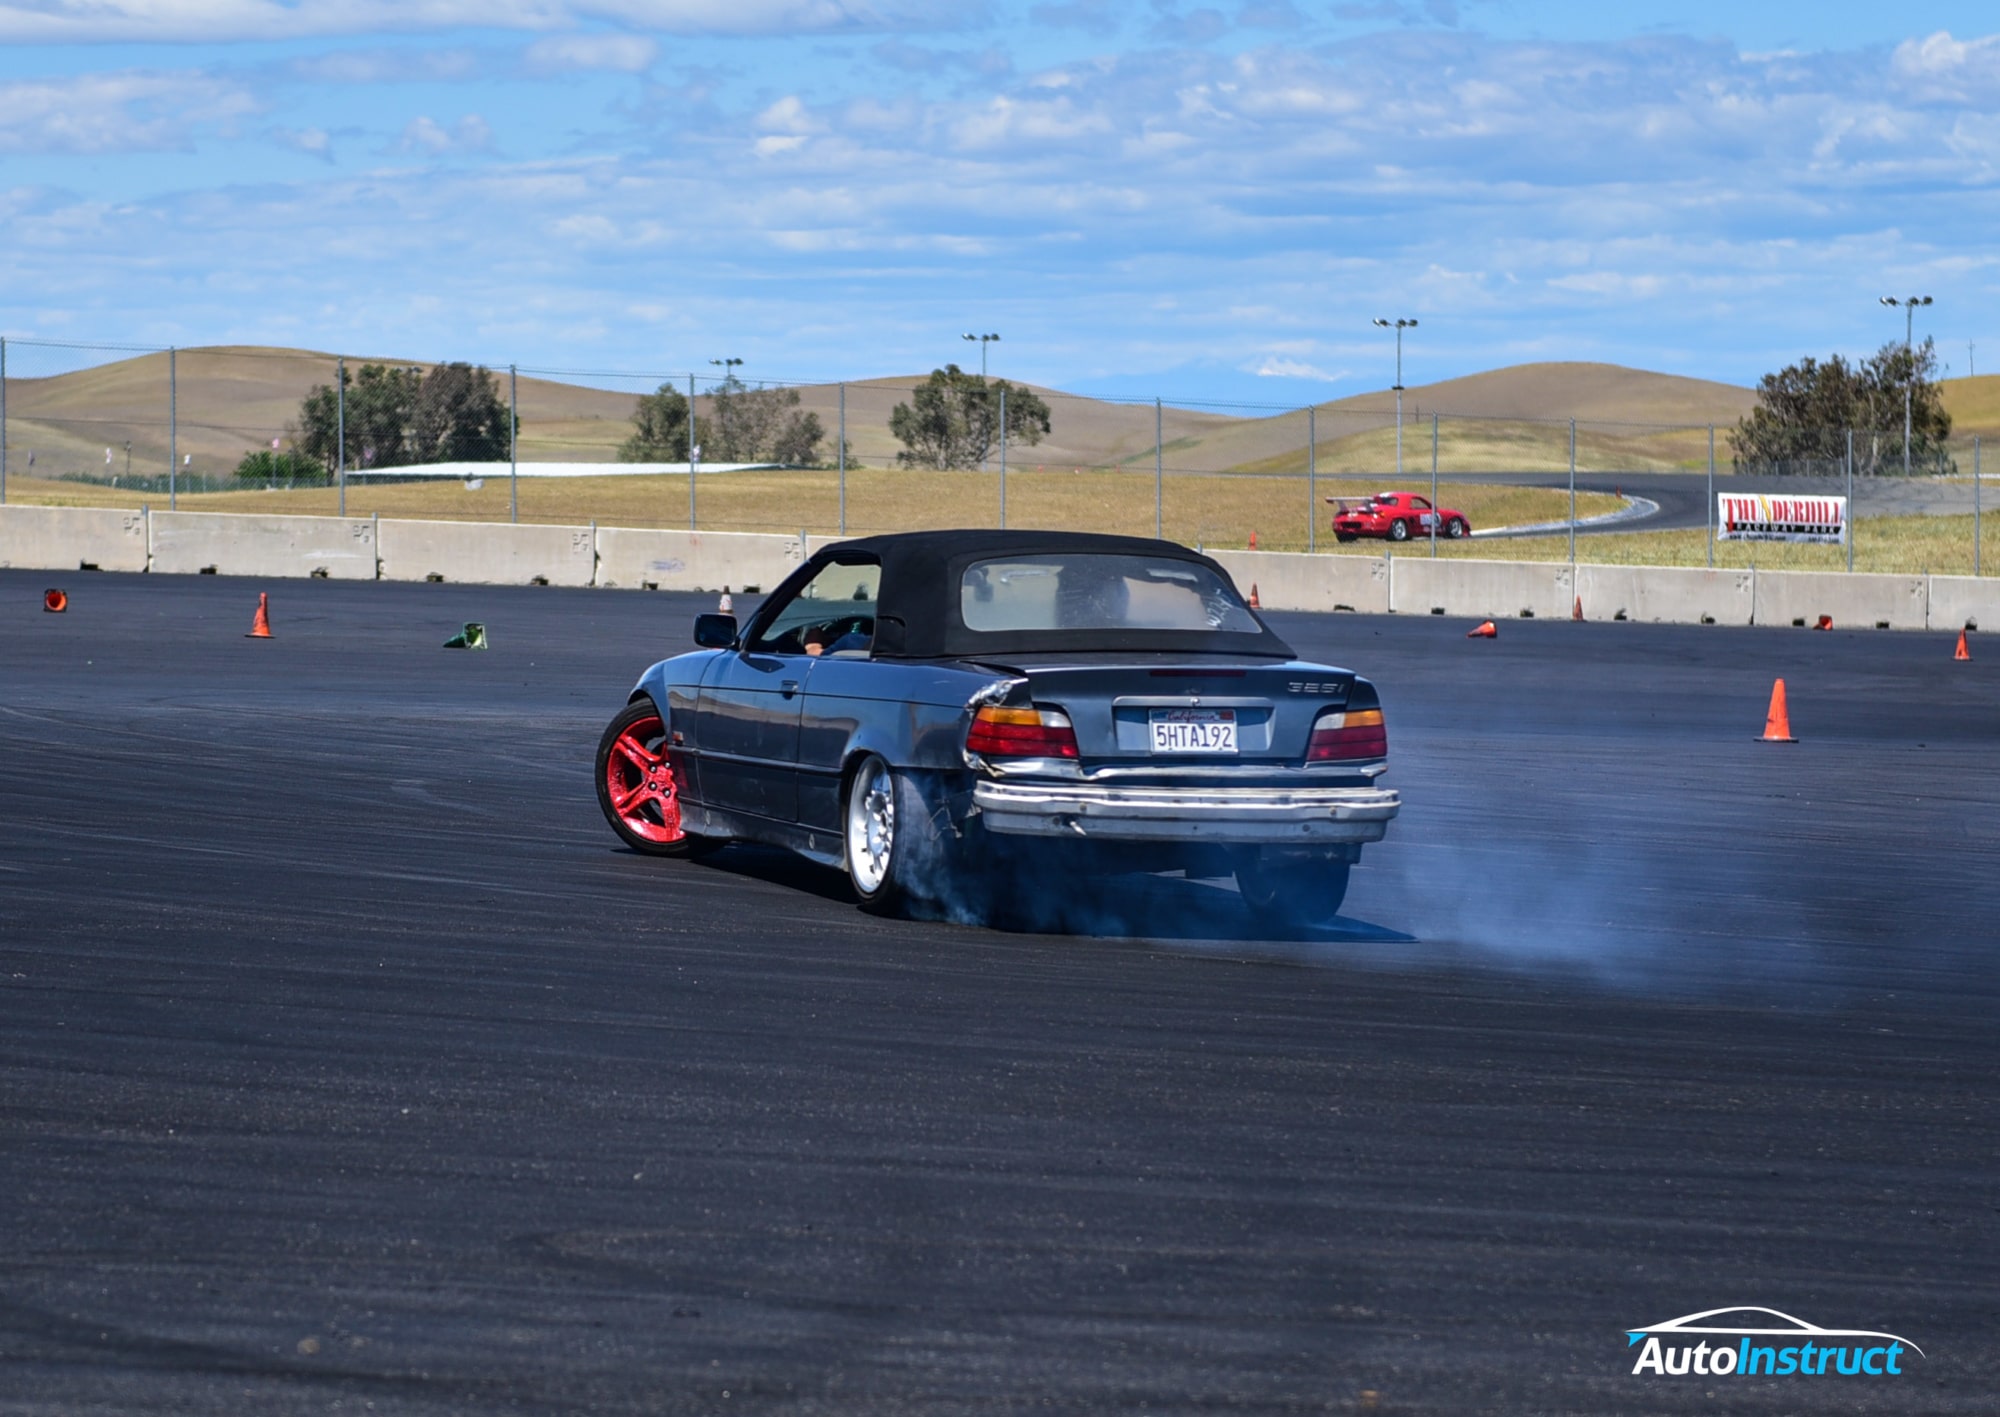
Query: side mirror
[715,631]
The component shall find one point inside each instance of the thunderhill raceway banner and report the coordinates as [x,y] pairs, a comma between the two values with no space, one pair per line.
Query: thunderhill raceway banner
[1753,516]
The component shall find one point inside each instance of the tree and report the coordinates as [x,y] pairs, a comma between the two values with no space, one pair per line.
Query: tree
[1805,410]
[953,419]
[291,465]
[378,415]
[458,416]
[659,428]
[760,425]
[400,416]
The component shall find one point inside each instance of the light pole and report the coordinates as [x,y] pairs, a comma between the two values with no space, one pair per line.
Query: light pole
[984,340]
[1399,326]
[1909,352]
[729,368]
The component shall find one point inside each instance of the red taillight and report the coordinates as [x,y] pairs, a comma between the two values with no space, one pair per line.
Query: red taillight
[1021,733]
[1348,737]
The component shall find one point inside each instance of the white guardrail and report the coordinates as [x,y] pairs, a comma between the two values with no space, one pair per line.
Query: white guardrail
[364,548]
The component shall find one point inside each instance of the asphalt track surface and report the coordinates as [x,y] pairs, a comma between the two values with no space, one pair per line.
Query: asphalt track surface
[348,1064]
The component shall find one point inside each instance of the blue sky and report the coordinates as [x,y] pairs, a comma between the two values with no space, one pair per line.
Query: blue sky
[1204,200]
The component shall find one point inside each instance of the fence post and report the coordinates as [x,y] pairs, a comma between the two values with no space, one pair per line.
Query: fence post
[1708,516]
[1434,484]
[1312,478]
[3,420]
[1159,478]
[694,453]
[1003,457]
[1975,503]
[340,417]
[843,458]
[173,434]
[1850,499]
[513,432]
[1572,492]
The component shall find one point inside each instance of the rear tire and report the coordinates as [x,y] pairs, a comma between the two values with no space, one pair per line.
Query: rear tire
[1399,531]
[902,853]
[1291,889]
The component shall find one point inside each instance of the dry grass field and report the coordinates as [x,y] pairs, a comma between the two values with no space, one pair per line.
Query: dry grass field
[1217,510]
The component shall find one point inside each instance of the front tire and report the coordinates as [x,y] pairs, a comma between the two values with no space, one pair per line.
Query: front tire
[1456,529]
[1399,531]
[637,787]
[1291,889]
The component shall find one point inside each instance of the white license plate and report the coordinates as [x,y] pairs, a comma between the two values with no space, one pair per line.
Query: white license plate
[1194,730]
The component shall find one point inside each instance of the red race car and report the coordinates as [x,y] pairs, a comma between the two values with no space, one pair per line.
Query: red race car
[1397,516]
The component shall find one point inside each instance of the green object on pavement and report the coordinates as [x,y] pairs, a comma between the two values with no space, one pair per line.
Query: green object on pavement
[473,636]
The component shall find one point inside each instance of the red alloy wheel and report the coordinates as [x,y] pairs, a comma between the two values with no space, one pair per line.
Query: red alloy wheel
[639,782]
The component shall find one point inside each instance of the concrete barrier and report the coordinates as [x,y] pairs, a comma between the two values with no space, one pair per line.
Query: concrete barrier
[72,538]
[1291,581]
[190,543]
[1488,590]
[1854,601]
[1671,595]
[488,553]
[694,560]
[1959,602]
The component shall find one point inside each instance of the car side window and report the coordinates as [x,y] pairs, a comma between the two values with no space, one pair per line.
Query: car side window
[833,613]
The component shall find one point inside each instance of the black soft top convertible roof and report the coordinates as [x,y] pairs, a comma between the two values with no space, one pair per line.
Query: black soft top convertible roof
[919,597]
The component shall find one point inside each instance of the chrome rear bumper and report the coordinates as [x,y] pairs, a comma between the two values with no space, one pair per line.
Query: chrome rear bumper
[1240,815]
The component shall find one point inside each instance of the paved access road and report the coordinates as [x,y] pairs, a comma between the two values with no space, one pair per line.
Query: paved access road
[346,1064]
[1683,497]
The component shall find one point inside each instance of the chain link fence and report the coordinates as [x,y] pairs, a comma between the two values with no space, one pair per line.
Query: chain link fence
[245,430]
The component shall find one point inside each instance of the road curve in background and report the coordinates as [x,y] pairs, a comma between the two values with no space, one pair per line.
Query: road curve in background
[346,1059]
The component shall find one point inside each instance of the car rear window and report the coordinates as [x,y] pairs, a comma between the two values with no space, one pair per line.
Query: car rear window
[1094,591]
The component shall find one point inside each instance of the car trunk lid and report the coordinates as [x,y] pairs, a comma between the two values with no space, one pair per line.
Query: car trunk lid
[1186,713]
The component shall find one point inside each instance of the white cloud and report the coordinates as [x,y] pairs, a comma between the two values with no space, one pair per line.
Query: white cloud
[388,66]
[116,112]
[1279,367]
[615,53]
[470,134]
[102,21]
[1941,69]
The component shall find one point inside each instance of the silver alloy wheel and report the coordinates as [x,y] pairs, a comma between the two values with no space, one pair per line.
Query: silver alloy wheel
[871,827]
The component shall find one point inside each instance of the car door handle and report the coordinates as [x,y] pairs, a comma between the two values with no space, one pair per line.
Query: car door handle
[788,687]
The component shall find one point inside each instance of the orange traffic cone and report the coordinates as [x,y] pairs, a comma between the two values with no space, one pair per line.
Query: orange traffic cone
[55,602]
[726,605]
[1487,631]
[1825,622]
[1961,652]
[1255,603]
[1778,723]
[1253,541]
[260,628]
[1576,612]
